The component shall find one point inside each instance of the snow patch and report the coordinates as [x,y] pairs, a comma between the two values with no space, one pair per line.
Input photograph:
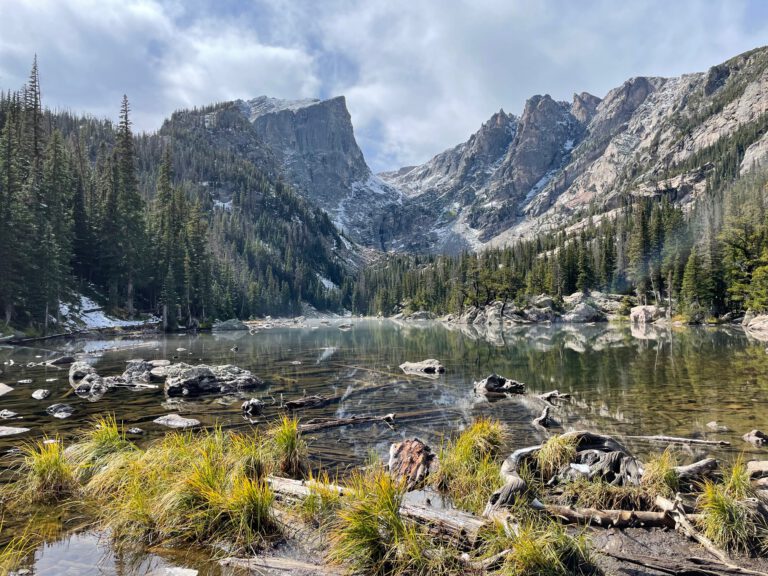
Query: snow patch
[327,284]
[223,205]
[88,315]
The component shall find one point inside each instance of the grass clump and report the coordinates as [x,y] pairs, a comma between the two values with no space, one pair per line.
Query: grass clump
[597,493]
[15,551]
[546,549]
[320,507]
[555,453]
[370,537]
[290,448]
[726,518]
[103,440]
[469,467]
[46,476]
[659,476]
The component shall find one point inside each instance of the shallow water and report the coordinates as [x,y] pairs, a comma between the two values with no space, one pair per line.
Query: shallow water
[623,382]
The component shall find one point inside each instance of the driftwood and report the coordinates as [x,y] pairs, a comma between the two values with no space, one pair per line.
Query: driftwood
[606,518]
[545,420]
[688,567]
[461,528]
[314,401]
[499,385]
[281,565]
[506,496]
[697,470]
[678,440]
[325,423]
[411,461]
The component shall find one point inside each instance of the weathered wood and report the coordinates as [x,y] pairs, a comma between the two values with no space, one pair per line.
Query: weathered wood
[684,525]
[545,420]
[678,440]
[460,528]
[314,401]
[689,567]
[607,518]
[697,470]
[506,496]
[325,423]
[281,565]
[411,461]
[552,396]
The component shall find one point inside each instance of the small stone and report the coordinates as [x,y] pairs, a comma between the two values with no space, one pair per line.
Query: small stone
[51,379]
[4,389]
[41,394]
[253,407]
[715,427]
[176,421]
[296,362]
[135,431]
[60,411]
[25,381]
[6,414]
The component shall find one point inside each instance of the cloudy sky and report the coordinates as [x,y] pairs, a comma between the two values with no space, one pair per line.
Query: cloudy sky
[419,75]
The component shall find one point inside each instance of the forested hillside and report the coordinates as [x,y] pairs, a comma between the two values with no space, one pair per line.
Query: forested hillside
[174,223]
[706,262]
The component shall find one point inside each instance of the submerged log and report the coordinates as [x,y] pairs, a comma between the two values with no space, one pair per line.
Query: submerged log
[324,424]
[552,396]
[678,440]
[314,401]
[430,367]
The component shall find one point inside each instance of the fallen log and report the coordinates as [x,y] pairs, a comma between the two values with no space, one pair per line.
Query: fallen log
[688,567]
[280,565]
[460,528]
[678,440]
[697,470]
[325,423]
[607,518]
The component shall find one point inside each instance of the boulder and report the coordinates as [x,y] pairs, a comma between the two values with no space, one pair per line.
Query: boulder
[422,315]
[41,394]
[493,314]
[229,325]
[430,366]
[185,380]
[535,314]
[60,410]
[583,312]
[756,437]
[495,384]
[543,301]
[176,421]
[411,461]
[138,371]
[757,327]
[645,314]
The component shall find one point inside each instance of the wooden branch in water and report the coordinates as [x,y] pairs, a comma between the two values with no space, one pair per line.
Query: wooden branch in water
[324,424]
[677,440]
[315,401]
[280,565]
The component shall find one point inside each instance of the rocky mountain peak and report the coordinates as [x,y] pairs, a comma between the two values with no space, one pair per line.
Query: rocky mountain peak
[584,107]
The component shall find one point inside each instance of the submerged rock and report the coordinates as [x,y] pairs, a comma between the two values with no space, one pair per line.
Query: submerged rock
[7,414]
[137,371]
[430,366]
[61,360]
[229,325]
[495,384]
[60,410]
[12,430]
[176,421]
[253,407]
[186,380]
[41,394]
[756,437]
[136,431]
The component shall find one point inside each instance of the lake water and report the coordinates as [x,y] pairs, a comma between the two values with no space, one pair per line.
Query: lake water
[623,382]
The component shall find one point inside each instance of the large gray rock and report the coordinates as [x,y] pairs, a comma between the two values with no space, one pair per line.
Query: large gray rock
[645,314]
[583,312]
[229,325]
[186,380]
[176,421]
[757,327]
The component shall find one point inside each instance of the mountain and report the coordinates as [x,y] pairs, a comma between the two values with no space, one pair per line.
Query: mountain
[314,145]
[519,177]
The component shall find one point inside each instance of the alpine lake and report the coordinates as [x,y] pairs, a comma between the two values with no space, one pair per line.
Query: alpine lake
[708,383]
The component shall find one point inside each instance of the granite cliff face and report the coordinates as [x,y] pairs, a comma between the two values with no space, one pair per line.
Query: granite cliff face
[314,143]
[560,159]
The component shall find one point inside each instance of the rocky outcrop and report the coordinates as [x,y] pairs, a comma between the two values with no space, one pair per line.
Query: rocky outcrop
[186,380]
[229,325]
[757,327]
[314,142]
[582,313]
[645,314]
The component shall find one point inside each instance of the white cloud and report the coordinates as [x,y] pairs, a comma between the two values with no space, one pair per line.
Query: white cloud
[419,76]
